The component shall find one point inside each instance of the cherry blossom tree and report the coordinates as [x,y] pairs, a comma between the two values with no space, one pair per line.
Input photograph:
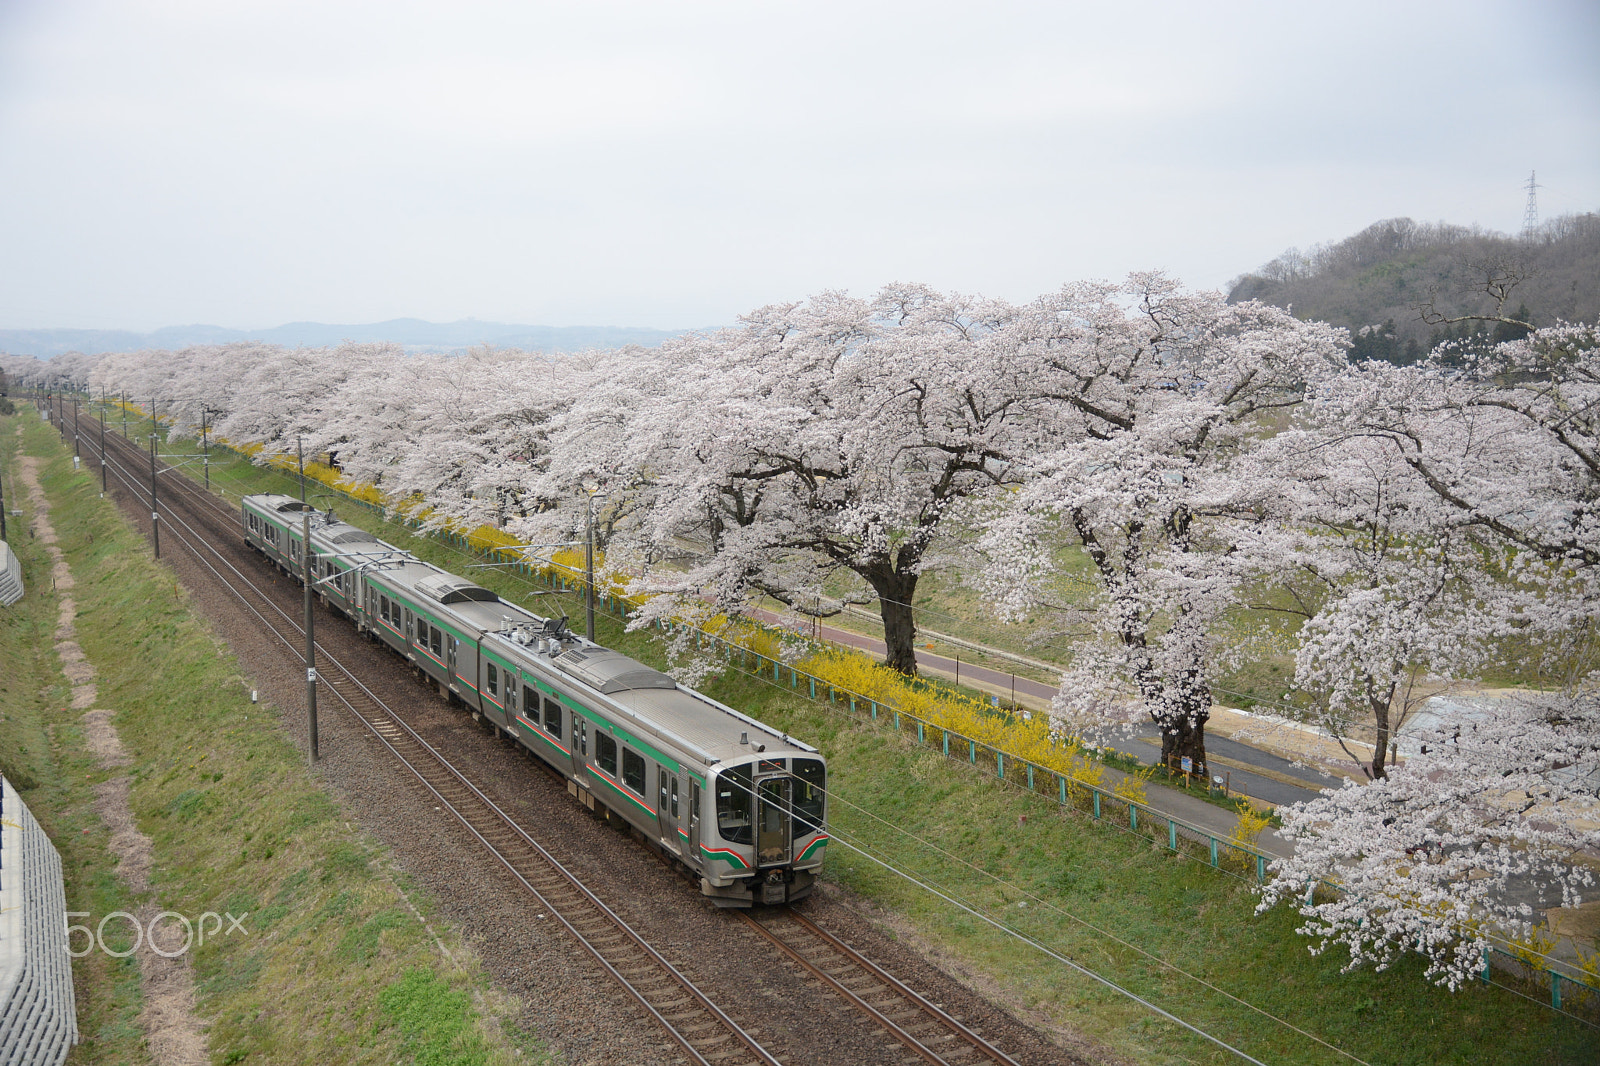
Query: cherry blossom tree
[1397,592]
[1486,459]
[831,436]
[1165,396]
[466,434]
[1451,851]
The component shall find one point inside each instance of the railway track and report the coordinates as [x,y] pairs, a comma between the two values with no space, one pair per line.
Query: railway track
[701,1030]
[924,1028]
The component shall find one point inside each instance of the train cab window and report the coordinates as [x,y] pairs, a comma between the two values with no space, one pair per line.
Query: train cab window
[492,676]
[734,800]
[552,717]
[605,753]
[436,640]
[633,770]
[809,795]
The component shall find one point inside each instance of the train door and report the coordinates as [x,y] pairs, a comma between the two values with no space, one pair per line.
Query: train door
[694,820]
[667,789]
[772,822]
[450,646]
[580,744]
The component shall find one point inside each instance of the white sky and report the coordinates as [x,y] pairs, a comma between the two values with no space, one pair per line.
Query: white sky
[675,164]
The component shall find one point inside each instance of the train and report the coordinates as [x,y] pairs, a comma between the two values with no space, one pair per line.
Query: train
[738,803]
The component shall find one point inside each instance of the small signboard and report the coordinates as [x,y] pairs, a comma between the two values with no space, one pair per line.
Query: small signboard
[1188,764]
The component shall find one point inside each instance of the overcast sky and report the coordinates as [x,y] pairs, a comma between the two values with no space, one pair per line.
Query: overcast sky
[675,164]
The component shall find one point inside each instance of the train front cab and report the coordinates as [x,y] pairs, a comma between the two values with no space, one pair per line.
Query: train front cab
[767,832]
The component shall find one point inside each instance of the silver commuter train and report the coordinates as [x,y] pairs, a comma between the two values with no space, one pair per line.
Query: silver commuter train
[737,802]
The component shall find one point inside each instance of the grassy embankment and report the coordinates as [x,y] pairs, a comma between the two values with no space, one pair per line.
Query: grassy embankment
[904,803]
[335,966]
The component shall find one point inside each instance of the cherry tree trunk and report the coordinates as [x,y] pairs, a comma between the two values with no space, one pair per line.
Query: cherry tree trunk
[899,625]
[1184,736]
[1380,705]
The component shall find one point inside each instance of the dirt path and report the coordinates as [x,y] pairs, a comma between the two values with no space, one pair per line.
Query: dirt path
[173,1032]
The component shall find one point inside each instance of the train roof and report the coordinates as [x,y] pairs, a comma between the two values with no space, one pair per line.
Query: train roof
[655,702]
[277,501]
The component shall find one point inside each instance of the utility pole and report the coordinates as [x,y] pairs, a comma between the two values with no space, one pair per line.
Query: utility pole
[102,449]
[124,414]
[2,506]
[205,447]
[588,569]
[300,450]
[311,638]
[155,514]
[76,454]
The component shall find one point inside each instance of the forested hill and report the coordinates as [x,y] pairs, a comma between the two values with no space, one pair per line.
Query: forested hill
[1383,275]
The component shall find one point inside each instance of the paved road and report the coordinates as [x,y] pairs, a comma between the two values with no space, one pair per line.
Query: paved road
[1238,761]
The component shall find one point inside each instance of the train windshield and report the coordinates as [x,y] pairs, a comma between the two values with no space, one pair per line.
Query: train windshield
[810,793]
[734,800]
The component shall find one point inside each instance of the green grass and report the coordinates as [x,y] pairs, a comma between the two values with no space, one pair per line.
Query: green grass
[912,803]
[238,823]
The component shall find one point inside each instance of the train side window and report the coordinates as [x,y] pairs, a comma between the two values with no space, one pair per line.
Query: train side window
[436,640]
[383,607]
[605,753]
[493,676]
[552,717]
[633,770]
[530,703]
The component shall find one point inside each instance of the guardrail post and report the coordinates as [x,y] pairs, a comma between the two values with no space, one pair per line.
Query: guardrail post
[1261,867]
[794,678]
[1061,787]
[897,719]
[1133,817]
[1097,803]
[1486,965]
[1213,851]
[874,709]
[972,751]
[946,733]
[919,731]
[1030,776]
[813,686]
[1555,990]
[1172,834]
[1000,763]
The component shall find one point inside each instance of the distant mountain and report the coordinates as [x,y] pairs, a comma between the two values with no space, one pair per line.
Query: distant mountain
[1384,274]
[412,333]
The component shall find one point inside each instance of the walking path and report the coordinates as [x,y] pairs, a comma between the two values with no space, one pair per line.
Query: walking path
[173,1032]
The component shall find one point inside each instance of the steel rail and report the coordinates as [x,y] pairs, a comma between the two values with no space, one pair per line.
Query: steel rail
[924,1011]
[453,790]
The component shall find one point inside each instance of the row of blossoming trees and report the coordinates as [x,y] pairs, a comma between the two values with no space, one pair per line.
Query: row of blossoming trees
[1206,458]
